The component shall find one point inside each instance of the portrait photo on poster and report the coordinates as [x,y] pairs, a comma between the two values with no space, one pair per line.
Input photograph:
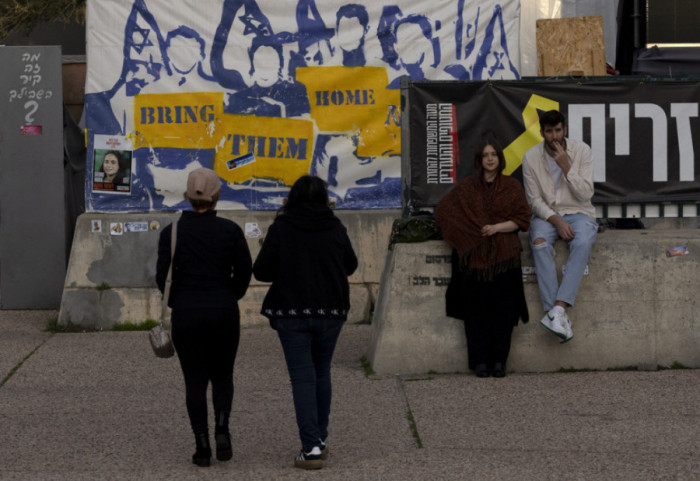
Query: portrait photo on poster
[112,167]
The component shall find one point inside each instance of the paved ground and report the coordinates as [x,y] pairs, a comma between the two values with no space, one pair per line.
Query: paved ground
[100,406]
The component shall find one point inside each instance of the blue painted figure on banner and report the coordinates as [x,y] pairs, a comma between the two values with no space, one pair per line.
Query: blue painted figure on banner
[417,52]
[269,95]
[185,55]
[241,22]
[351,26]
[493,59]
[313,38]
[108,112]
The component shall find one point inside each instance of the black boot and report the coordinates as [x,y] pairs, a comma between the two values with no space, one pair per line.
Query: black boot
[202,456]
[481,370]
[224,452]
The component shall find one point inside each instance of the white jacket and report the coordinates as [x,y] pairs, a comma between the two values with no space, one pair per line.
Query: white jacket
[575,190]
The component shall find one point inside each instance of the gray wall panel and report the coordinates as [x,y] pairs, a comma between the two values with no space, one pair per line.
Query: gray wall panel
[32,228]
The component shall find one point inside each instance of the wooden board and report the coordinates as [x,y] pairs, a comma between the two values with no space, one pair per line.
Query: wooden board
[570,46]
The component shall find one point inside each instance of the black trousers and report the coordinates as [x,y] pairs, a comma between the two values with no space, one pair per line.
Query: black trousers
[206,342]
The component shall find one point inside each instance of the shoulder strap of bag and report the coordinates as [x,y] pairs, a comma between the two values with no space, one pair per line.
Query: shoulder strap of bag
[169,278]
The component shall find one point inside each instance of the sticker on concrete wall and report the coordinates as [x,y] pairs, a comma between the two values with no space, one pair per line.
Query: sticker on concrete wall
[529,275]
[136,227]
[96,226]
[677,251]
[116,228]
[30,130]
[154,225]
[252,230]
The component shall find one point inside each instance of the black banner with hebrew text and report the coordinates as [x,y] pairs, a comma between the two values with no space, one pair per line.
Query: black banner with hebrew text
[642,134]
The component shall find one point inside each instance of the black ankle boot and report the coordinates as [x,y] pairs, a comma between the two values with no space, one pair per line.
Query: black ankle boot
[224,452]
[202,456]
[481,370]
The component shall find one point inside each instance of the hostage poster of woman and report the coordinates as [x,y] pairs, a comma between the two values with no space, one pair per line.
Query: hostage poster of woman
[112,171]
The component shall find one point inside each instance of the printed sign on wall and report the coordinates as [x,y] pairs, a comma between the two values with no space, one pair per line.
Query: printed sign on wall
[264,91]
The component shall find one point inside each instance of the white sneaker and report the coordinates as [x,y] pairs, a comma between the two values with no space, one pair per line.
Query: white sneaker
[555,323]
[569,331]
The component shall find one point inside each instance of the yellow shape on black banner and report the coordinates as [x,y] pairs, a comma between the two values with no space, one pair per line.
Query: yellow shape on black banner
[179,120]
[516,150]
[264,147]
[355,99]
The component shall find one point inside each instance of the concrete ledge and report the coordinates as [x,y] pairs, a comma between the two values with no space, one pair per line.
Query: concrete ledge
[635,308]
[111,278]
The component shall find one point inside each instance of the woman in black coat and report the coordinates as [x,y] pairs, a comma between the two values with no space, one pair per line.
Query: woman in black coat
[211,271]
[308,257]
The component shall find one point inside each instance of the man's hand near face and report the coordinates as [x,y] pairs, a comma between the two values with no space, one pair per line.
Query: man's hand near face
[561,157]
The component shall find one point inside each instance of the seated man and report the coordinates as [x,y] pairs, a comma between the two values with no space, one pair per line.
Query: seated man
[558,178]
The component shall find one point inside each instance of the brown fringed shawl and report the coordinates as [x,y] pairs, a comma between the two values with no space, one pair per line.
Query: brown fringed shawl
[473,204]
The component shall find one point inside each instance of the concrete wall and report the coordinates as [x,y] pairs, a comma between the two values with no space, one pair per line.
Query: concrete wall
[111,278]
[635,308]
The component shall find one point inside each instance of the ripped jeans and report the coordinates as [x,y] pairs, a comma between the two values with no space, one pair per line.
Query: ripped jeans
[585,229]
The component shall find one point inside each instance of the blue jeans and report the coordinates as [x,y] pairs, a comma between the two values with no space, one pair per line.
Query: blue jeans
[585,229]
[308,346]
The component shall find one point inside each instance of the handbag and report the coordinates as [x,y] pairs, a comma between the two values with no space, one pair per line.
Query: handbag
[159,336]
[417,228]
[160,342]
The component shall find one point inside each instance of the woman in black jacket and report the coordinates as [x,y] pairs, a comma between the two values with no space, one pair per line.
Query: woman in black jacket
[308,257]
[211,271]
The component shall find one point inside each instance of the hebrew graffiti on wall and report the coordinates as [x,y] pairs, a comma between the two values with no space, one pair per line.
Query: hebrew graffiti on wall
[265,91]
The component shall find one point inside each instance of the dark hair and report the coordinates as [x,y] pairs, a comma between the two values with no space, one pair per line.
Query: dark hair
[308,189]
[479,150]
[552,118]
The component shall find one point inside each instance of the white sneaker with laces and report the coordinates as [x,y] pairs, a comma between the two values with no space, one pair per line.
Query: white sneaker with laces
[554,321]
[567,326]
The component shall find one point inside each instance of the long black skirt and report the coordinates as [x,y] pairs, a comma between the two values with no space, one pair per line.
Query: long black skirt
[489,309]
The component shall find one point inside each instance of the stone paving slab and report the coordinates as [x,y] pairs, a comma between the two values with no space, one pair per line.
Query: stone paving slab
[20,333]
[613,412]
[98,405]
